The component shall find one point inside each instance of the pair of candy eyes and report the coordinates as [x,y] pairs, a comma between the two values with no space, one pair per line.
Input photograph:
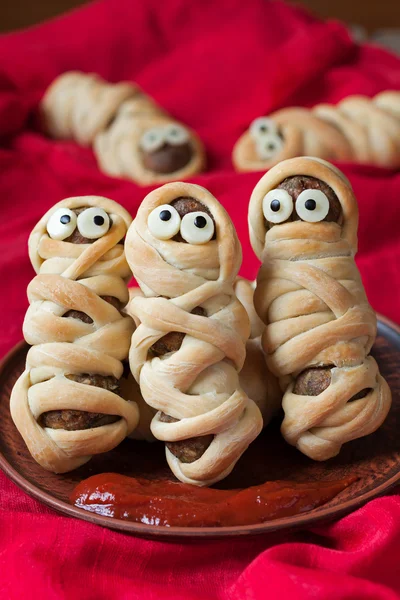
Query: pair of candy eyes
[311,206]
[266,137]
[153,139]
[164,222]
[92,223]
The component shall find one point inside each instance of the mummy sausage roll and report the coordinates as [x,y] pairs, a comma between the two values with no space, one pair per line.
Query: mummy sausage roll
[319,331]
[131,135]
[189,345]
[255,378]
[67,404]
[358,129]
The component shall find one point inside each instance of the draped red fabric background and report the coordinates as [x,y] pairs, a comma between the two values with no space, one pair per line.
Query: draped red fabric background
[216,66]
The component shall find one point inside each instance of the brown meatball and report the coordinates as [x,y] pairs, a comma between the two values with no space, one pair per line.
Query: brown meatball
[76,237]
[185,205]
[73,420]
[171,342]
[77,314]
[313,381]
[298,183]
[187,451]
[168,159]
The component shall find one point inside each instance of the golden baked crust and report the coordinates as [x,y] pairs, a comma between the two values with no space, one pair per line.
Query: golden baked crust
[311,298]
[118,147]
[360,129]
[199,383]
[74,277]
[78,106]
[113,119]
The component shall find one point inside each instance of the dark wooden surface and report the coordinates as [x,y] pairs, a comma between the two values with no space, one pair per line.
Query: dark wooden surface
[375,459]
[368,13]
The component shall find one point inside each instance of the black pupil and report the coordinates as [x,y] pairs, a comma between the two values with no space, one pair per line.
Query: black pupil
[275,205]
[165,215]
[263,128]
[310,204]
[200,222]
[98,220]
[271,146]
[65,219]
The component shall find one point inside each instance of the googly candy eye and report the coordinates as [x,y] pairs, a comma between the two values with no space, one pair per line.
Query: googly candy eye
[312,206]
[197,228]
[262,127]
[176,135]
[153,139]
[277,206]
[61,224]
[93,223]
[269,145]
[164,222]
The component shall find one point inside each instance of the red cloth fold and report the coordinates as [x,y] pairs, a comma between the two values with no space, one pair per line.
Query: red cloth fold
[215,66]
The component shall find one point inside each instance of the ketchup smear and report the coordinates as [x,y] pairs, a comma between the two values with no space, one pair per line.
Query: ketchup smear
[169,503]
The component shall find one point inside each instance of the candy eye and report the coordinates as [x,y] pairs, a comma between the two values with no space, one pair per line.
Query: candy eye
[153,139]
[262,127]
[312,206]
[197,228]
[61,224]
[93,223]
[176,135]
[269,145]
[277,206]
[164,222]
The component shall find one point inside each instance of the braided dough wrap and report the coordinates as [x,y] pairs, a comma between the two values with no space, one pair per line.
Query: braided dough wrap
[120,150]
[78,106]
[146,412]
[74,277]
[389,101]
[198,385]
[359,129]
[256,379]
[311,298]
[131,135]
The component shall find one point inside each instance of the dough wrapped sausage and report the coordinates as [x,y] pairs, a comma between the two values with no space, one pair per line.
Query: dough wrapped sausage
[320,327]
[67,404]
[189,345]
[359,129]
[131,135]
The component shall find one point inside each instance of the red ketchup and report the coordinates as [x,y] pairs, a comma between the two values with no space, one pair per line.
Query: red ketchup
[170,503]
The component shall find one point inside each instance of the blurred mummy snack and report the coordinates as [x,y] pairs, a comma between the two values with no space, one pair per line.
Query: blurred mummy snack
[389,101]
[67,404]
[256,379]
[78,106]
[189,345]
[131,135]
[320,328]
[357,129]
[147,145]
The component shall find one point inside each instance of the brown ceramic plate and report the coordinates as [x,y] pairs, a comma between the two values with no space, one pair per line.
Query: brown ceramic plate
[375,459]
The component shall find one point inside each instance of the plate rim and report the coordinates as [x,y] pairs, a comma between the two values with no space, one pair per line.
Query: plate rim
[140,529]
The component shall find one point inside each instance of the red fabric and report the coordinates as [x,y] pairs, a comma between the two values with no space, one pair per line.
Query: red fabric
[216,66]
